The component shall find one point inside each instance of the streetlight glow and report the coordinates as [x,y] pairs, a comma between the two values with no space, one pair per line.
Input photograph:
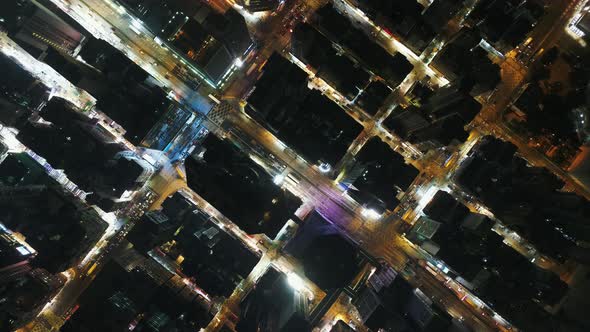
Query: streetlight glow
[278,179]
[325,167]
[295,282]
[370,213]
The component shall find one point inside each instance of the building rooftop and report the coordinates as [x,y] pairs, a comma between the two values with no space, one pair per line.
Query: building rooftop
[14,255]
[117,297]
[23,298]
[291,112]
[328,259]
[397,306]
[53,222]
[445,208]
[434,119]
[255,203]
[464,59]
[273,305]
[520,194]
[215,261]
[506,22]
[383,172]
[373,97]
[341,326]
[211,40]
[74,143]
[404,18]
[339,71]
[393,68]
[12,171]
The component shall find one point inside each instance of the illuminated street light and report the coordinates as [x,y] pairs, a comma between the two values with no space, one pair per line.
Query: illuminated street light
[370,213]
[238,62]
[136,23]
[443,268]
[278,179]
[121,9]
[295,282]
[325,167]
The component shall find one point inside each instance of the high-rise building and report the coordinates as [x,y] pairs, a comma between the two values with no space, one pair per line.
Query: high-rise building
[43,29]
[341,326]
[154,229]
[14,256]
[23,298]
[212,41]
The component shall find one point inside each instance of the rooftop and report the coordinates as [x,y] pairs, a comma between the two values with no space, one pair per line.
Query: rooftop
[254,203]
[329,259]
[215,261]
[384,172]
[117,297]
[304,119]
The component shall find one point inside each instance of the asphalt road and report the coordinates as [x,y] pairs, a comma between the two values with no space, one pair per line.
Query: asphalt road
[379,239]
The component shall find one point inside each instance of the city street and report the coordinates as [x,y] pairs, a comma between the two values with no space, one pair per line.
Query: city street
[381,239]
